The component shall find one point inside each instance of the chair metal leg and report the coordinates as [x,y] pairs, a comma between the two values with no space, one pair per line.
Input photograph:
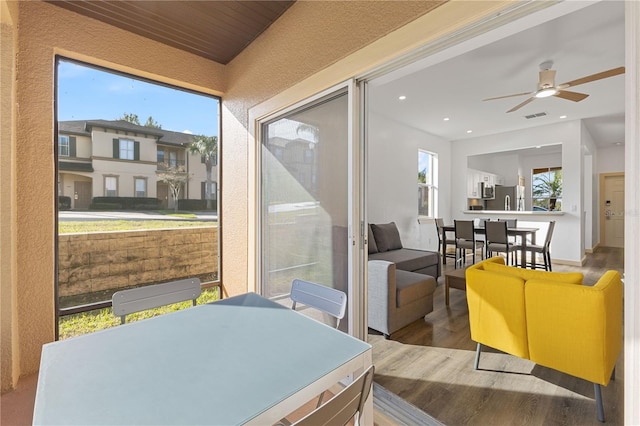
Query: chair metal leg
[477,362]
[599,407]
[613,373]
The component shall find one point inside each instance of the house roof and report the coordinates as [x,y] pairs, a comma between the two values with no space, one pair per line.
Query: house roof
[164,137]
[75,167]
[216,30]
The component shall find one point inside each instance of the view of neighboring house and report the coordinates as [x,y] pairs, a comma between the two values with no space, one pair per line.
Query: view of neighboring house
[116,158]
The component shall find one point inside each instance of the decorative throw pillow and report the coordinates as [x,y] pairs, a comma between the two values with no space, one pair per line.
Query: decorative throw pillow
[373,248]
[387,236]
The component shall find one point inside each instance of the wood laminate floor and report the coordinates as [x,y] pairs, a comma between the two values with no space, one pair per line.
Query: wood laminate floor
[430,364]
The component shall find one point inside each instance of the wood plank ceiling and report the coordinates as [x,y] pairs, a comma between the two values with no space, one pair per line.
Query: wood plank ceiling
[216,30]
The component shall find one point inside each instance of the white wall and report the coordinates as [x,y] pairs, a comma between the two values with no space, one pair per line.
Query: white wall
[610,159]
[567,240]
[392,172]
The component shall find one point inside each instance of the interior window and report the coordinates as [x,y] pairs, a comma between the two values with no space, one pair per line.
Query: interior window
[546,191]
[426,187]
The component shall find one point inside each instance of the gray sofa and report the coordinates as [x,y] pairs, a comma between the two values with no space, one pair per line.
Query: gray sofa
[401,281]
[396,297]
[385,244]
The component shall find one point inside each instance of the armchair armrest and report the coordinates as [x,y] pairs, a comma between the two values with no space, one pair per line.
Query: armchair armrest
[497,311]
[576,329]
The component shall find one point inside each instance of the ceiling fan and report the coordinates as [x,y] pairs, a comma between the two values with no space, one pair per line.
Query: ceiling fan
[547,86]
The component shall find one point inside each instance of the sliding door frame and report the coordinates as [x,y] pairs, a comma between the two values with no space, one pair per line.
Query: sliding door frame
[355,280]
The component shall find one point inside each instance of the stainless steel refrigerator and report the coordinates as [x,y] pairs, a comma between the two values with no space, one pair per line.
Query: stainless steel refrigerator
[506,198]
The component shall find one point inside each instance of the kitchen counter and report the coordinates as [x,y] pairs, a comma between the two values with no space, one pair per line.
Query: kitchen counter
[514,212]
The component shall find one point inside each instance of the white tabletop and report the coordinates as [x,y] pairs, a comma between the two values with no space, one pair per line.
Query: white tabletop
[223,363]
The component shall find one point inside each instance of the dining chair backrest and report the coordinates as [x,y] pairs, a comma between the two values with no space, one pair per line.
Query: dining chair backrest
[511,223]
[464,230]
[323,298]
[125,302]
[547,239]
[439,225]
[347,404]
[496,232]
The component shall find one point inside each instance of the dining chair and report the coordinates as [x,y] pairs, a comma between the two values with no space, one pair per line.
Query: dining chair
[125,302]
[325,299]
[511,223]
[442,239]
[466,240]
[542,249]
[344,406]
[498,241]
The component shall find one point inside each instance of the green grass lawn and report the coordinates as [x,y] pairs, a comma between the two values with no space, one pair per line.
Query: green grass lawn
[126,225]
[100,319]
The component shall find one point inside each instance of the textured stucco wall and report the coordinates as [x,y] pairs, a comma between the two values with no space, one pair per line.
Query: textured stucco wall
[41,30]
[8,345]
[309,37]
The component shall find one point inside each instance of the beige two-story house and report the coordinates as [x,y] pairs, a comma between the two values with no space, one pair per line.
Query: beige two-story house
[116,158]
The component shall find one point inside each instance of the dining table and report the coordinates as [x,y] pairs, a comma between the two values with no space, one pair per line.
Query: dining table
[519,232]
[242,360]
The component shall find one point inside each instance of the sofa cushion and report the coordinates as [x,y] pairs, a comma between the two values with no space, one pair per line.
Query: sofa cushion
[373,248]
[530,274]
[408,259]
[387,236]
[411,287]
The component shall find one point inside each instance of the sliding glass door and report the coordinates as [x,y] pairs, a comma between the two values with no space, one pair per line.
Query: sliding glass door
[305,205]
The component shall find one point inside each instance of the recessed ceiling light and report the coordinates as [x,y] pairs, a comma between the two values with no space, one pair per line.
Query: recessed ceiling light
[618,143]
[402,98]
[446,119]
[563,116]
[469,131]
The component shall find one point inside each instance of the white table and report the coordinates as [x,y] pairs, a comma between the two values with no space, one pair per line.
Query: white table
[241,360]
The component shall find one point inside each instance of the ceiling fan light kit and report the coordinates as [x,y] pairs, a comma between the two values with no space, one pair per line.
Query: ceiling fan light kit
[545,93]
[547,86]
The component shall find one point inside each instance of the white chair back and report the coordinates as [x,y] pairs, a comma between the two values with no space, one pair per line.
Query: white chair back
[125,302]
[325,299]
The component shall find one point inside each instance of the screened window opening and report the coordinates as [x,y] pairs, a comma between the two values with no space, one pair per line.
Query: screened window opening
[126,168]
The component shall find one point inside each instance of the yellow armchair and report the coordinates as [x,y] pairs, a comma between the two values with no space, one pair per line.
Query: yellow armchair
[549,318]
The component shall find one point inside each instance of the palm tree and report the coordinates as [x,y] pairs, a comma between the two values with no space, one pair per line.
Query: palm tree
[207,148]
[548,184]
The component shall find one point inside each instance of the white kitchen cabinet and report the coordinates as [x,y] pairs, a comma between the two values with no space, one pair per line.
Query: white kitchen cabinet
[473,179]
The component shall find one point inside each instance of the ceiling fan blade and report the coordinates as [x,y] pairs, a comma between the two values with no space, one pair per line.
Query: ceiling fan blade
[507,96]
[593,77]
[571,96]
[517,107]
